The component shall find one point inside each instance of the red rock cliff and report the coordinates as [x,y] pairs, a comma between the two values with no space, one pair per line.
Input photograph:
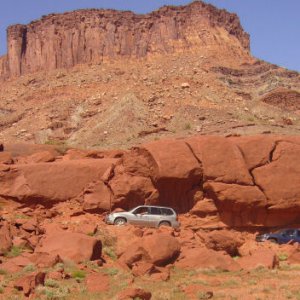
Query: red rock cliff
[89,36]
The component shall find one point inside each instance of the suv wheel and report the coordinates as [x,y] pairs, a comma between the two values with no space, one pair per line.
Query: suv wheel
[120,221]
[165,223]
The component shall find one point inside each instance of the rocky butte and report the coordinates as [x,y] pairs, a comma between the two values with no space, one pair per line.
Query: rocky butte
[91,36]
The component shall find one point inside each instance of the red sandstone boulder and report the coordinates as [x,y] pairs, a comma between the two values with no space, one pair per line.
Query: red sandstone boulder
[237,204]
[223,240]
[75,247]
[130,191]
[294,257]
[203,258]
[159,249]
[41,157]
[193,291]
[28,283]
[45,260]
[178,174]
[280,182]
[97,197]
[204,208]
[5,238]
[142,268]
[51,182]
[260,258]
[222,160]
[134,293]
[256,150]
[15,264]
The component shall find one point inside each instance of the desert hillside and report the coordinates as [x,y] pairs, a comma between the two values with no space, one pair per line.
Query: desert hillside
[109,79]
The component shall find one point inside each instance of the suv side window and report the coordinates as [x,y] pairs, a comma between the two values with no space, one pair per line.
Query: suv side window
[167,212]
[155,211]
[141,210]
[290,232]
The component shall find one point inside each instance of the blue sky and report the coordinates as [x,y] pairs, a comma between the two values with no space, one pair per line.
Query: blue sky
[274,25]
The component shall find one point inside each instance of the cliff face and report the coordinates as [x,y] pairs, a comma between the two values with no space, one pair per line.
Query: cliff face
[90,36]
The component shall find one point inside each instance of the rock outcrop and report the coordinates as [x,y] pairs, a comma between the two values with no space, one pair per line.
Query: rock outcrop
[90,36]
[240,181]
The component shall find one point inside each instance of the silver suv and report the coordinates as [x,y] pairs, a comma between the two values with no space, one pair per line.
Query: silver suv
[150,216]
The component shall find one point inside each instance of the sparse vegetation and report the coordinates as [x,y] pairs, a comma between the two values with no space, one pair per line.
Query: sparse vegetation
[52,283]
[29,268]
[2,272]
[109,251]
[19,216]
[282,256]
[187,126]
[78,274]
[60,292]
[59,146]
[111,271]
[14,251]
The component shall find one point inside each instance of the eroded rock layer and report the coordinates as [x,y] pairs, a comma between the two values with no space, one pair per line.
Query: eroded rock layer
[89,36]
[237,181]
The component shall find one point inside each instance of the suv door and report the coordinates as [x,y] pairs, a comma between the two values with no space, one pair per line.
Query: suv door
[297,237]
[155,216]
[140,216]
[289,235]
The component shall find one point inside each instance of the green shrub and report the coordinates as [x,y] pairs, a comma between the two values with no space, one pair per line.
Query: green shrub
[78,274]
[282,256]
[51,283]
[14,251]
[29,268]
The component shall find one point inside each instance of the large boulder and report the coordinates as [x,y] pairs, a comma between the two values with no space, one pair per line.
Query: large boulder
[280,178]
[222,240]
[51,182]
[238,205]
[5,238]
[97,197]
[256,150]
[134,293]
[70,246]
[178,175]
[159,249]
[203,258]
[260,258]
[222,161]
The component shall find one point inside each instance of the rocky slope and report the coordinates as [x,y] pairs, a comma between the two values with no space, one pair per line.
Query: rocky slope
[54,243]
[195,76]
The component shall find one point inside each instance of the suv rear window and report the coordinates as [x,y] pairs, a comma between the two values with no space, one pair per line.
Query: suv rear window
[166,212]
